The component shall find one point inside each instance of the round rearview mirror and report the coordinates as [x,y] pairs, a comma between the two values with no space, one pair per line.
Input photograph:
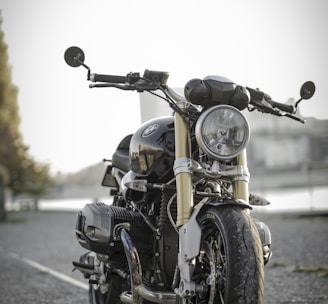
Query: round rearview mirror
[307,90]
[74,56]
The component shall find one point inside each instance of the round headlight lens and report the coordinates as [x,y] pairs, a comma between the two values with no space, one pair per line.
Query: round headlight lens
[222,132]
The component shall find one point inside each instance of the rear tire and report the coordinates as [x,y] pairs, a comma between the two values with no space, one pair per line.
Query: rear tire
[230,266]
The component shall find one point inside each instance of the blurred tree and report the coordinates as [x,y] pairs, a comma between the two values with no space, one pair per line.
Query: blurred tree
[4,178]
[31,178]
[20,172]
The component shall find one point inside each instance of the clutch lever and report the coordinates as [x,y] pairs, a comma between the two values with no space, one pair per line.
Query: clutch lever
[140,86]
[126,87]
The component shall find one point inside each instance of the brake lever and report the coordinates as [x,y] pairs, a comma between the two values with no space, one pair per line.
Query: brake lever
[299,119]
[265,107]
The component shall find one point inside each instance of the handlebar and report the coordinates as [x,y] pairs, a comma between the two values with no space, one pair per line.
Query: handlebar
[263,103]
[150,81]
[153,80]
[108,78]
[283,107]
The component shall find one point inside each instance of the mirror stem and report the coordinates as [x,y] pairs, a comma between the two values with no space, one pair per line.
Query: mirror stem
[84,65]
[89,71]
[296,104]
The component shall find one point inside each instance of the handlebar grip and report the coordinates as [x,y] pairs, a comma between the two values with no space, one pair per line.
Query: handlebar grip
[283,107]
[108,78]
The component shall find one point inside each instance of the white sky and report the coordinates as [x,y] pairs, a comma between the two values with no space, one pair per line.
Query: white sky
[275,45]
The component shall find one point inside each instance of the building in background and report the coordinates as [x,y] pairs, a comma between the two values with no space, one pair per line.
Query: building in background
[283,153]
[152,106]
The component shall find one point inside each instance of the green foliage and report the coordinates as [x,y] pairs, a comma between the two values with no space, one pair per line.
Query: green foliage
[23,174]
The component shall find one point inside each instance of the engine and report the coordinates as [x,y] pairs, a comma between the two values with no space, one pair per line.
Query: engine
[96,229]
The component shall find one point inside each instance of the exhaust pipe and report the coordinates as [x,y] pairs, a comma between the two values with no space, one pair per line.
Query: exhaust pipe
[140,292]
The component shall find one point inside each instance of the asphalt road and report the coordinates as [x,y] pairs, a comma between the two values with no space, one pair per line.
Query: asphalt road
[36,250]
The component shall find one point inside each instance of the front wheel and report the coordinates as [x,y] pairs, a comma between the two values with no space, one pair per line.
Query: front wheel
[230,264]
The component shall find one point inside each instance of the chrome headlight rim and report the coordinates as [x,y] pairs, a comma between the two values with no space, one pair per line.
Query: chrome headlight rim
[200,134]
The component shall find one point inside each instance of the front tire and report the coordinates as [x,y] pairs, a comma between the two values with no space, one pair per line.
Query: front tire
[230,265]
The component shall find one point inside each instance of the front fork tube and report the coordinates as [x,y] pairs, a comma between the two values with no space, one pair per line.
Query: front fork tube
[187,232]
[240,184]
[183,175]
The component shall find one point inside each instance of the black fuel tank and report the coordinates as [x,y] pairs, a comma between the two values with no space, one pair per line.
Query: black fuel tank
[152,149]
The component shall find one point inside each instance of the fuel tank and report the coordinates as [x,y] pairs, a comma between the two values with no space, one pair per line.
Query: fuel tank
[152,149]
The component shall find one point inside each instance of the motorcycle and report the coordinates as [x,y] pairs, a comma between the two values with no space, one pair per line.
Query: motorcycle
[179,229]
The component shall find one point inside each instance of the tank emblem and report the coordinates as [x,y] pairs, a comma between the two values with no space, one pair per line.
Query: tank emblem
[150,130]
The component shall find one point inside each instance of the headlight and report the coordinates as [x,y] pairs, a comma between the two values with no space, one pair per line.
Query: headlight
[222,132]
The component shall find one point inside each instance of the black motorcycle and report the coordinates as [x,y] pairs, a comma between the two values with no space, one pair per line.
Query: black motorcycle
[179,229]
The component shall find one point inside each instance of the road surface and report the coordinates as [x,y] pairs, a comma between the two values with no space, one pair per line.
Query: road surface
[36,250]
